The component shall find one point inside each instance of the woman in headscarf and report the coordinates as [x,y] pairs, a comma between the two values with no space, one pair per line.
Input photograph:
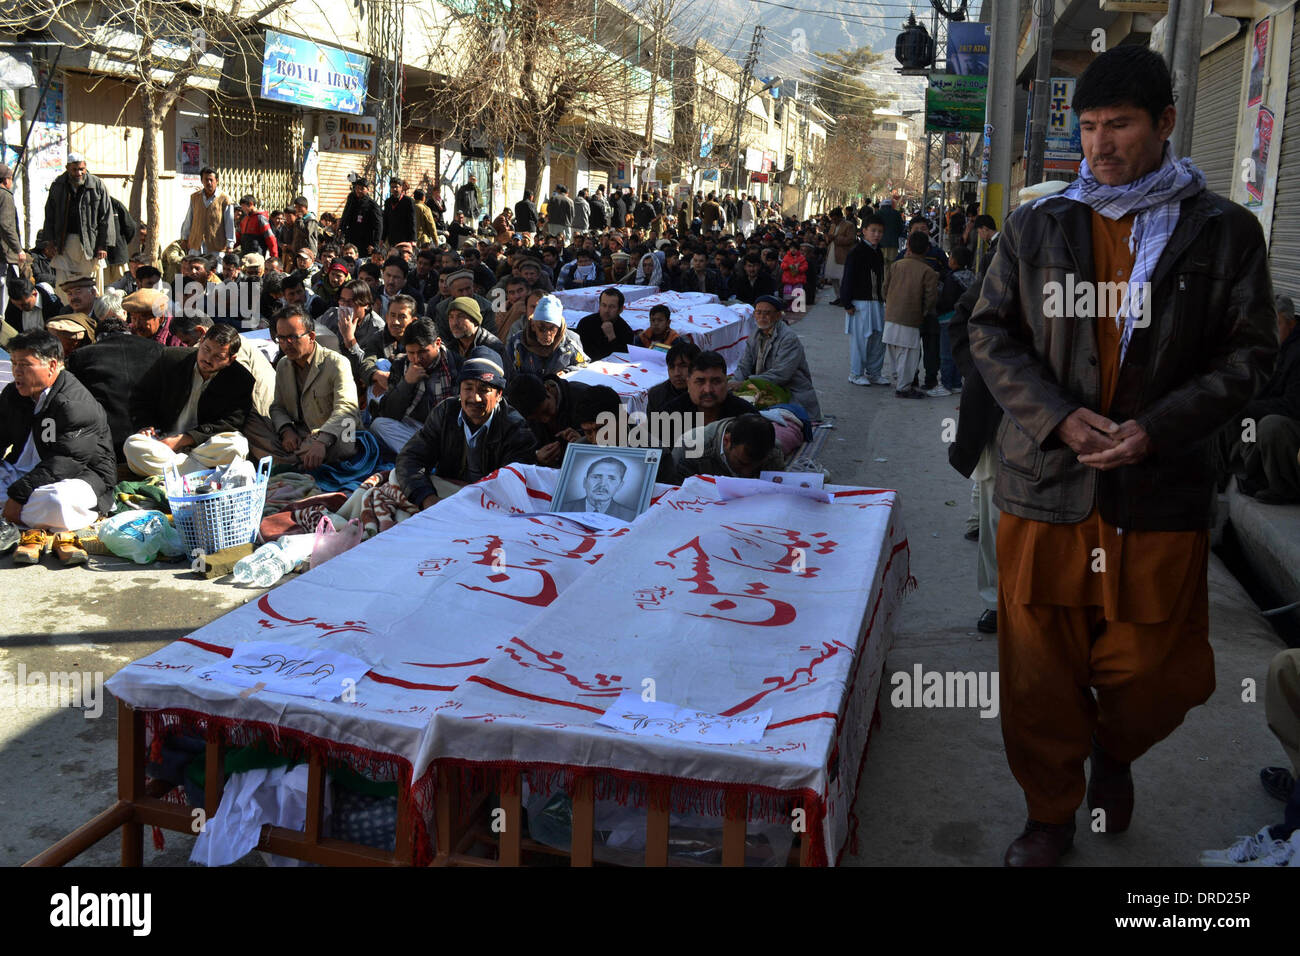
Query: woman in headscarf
[650,270]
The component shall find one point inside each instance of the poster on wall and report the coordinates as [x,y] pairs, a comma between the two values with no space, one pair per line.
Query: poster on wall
[191,162]
[1258,64]
[1260,144]
[968,49]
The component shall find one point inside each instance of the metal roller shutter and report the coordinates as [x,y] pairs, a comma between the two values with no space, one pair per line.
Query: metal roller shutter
[257,152]
[332,184]
[1284,247]
[419,159]
[1218,98]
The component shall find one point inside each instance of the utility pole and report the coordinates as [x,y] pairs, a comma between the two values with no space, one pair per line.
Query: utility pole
[1183,54]
[1000,108]
[1045,14]
[742,97]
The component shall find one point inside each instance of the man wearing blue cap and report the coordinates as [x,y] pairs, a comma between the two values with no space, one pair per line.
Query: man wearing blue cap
[467,437]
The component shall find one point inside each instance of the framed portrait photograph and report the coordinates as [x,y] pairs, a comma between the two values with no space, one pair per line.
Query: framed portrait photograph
[606,480]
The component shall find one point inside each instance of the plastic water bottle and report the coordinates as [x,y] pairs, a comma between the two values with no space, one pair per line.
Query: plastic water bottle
[264,566]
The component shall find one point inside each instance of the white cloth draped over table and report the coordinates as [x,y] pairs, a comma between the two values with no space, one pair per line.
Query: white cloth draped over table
[731,607]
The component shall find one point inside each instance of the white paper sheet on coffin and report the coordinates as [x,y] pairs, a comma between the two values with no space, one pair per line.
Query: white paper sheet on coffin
[594,520]
[287,669]
[731,488]
[658,718]
[704,601]
[648,357]
[426,603]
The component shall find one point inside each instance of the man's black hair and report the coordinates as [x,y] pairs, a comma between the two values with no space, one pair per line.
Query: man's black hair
[399,263]
[1128,75]
[873,220]
[208,169]
[661,309]
[191,321]
[919,243]
[291,280]
[985,221]
[525,393]
[45,345]
[597,399]
[370,269]
[707,362]
[616,293]
[224,334]
[681,349]
[754,433]
[421,333]
[961,255]
[294,312]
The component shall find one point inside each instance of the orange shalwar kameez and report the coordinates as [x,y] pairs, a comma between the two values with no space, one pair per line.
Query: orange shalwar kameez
[1087,607]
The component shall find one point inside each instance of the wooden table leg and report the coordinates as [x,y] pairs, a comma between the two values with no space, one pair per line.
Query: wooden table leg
[656,825]
[805,839]
[131,759]
[733,829]
[511,819]
[404,845]
[315,797]
[214,774]
[584,821]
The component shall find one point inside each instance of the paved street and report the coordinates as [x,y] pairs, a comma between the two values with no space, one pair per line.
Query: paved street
[936,789]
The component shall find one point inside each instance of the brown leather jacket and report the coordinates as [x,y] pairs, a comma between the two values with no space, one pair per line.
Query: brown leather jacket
[1210,346]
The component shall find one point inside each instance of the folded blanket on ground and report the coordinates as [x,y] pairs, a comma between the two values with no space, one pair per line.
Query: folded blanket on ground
[300,517]
[378,504]
[348,475]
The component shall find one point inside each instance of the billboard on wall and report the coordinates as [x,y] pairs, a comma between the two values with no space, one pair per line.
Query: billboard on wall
[968,49]
[317,77]
[1062,149]
[955,103]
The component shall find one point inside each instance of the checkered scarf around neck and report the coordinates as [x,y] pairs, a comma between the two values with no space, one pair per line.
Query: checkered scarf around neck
[1155,198]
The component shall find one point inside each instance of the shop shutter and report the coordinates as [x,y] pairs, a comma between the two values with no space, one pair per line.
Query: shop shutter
[1218,100]
[258,152]
[1284,247]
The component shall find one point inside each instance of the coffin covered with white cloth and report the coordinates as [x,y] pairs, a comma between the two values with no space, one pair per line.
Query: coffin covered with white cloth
[496,634]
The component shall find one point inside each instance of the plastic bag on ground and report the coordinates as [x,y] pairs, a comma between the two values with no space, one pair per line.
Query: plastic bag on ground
[141,536]
[331,543]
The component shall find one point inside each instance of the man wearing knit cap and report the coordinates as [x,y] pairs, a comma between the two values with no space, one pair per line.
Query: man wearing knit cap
[147,311]
[79,221]
[544,345]
[465,319]
[460,285]
[465,438]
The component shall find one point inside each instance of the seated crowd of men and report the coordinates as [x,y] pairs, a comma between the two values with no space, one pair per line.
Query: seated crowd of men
[453,365]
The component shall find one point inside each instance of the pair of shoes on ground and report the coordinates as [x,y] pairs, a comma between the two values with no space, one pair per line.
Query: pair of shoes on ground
[910,392]
[938,391]
[34,543]
[1260,849]
[1110,790]
[859,380]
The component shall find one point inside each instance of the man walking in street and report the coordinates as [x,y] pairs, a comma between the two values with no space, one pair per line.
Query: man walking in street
[11,245]
[399,214]
[559,214]
[209,224]
[362,222]
[79,221]
[862,292]
[469,200]
[1105,482]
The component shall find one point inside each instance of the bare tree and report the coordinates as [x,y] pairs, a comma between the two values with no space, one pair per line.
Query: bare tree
[164,46]
[528,73]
